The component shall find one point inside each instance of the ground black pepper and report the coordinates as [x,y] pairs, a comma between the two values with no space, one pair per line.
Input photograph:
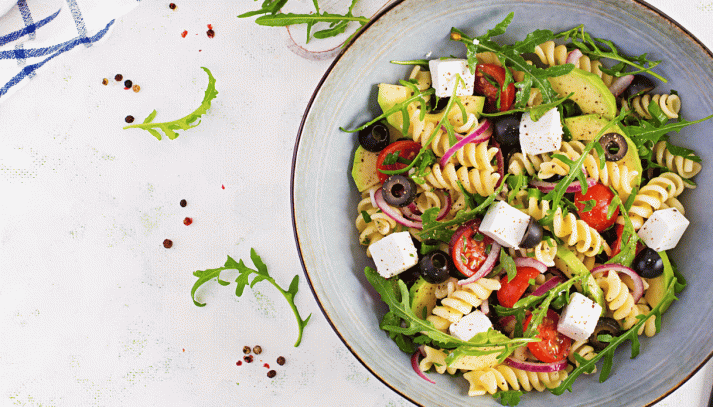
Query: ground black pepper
[118,77]
[257,350]
[271,374]
[183,203]
[167,243]
[129,119]
[280,360]
[246,350]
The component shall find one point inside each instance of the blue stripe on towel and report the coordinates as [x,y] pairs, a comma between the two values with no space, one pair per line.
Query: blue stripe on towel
[78,20]
[27,30]
[27,17]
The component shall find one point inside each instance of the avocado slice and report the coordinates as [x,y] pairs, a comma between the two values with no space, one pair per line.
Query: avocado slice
[590,92]
[423,295]
[586,127]
[571,266]
[657,286]
[364,169]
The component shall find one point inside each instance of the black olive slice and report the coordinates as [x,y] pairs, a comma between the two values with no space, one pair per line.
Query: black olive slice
[648,263]
[533,234]
[435,267]
[605,326]
[614,145]
[640,84]
[399,190]
[374,138]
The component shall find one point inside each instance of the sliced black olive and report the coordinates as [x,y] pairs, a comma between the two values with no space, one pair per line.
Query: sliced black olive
[440,104]
[640,84]
[411,275]
[615,146]
[648,263]
[533,234]
[399,190]
[554,178]
[605,326]
[506,129]
[374,138]
[435,267]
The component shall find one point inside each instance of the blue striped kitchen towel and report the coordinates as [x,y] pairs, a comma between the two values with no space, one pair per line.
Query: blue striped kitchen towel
[33,32]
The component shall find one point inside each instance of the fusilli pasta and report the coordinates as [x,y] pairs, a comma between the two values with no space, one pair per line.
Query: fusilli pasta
[504,377]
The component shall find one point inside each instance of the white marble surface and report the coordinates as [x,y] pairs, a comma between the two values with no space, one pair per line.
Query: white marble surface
[93,310]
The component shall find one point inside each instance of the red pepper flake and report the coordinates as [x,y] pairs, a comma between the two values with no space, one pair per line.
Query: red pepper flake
[184,33]
[187,221]
[266,365]
[239,363]
[184,349]
[210,26]
[222,186]
[210,33]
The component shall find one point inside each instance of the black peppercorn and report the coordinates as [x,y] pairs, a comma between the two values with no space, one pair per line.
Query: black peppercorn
[129,119]
[248,358]
[128,83]
[118,77]
[167,243]
[271,374]
[210,33]
[257,350]
[172,6]
[183,203]
[280,360]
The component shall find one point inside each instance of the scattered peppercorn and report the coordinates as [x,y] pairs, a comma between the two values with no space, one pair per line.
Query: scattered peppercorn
[136,88]
[128,83]
[280,360]
[105,81]
[248,358]
[183,203]
[187,221]
[210,33]
[246,350]
[129,119]
[167,243]
[172,6]
[271,374]
[118,77]
[238,363]
[257,350]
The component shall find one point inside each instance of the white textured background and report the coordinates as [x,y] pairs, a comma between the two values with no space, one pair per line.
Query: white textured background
[93,310]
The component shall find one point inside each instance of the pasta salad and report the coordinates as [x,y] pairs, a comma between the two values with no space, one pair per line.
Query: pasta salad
[518,205]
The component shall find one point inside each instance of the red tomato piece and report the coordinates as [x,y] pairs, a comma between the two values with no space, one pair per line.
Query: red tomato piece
[554,346]
[404,148]
[597,216]
[468,248]
[616,248]
[484,87]
[511,290]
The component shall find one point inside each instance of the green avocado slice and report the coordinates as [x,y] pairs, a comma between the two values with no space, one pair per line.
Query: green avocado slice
[423,295]
[590,92]
[571,266]
[364,169]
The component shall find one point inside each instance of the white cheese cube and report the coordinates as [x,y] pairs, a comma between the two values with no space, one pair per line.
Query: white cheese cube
[579,317]
[543,135]
[443,76]
[394,254]
[663,229]
[505,224]
[470,325]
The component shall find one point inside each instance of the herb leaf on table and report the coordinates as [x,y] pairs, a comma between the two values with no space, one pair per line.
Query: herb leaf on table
[184,123]
[245,273]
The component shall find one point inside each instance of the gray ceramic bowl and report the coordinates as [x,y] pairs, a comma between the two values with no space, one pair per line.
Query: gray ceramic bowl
[324,198]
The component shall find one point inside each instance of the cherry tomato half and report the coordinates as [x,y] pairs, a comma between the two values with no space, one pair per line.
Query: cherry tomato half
[511,290]
[554,346]
[484,87]
[597,216]
[404,148]
[469,247]
[616,248]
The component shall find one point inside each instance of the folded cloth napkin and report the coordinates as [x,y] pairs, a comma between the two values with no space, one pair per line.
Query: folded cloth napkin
[33,32]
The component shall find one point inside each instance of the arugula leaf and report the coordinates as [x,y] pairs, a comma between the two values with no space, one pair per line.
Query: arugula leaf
[508,264]
[508,397]
[184,123]
[646,135]
[243,280]
[682,152]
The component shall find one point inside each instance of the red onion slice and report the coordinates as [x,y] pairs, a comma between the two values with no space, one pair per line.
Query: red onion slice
[573,57]
[620,84]
[394,213]
[537,367]
[487,266]
[547,286]
[480,134]
[530,262]
[638,283]
[417,368]
[573,187]
[411,212]
[485,307]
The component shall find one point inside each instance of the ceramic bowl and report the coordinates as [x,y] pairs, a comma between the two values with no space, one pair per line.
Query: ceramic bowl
[324,198]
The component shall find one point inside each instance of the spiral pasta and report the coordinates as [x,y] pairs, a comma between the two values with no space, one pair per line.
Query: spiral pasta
[656,194]
[437,358]
[461,301]
[379,225]
[526,164]
[620,303]
[475,181]
[669,104]
[504,377]
[552,54]
[421,130]
[583,349]
[544,252]
[477,156]
[684,167]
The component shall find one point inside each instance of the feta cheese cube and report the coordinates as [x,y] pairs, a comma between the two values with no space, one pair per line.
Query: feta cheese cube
[505,224]
[443,76]
[543,135]
[579,318]
[394,254]
[470,325]
[663,229]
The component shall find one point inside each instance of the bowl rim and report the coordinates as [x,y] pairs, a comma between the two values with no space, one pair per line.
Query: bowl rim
[377,16]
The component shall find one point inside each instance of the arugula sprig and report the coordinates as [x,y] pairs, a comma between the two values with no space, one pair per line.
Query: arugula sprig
[260,274]
[647,134]
[184,123]
[601,48]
